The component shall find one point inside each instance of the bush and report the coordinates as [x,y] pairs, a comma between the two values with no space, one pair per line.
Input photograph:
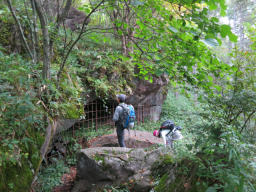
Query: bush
[218,157]
[21,123]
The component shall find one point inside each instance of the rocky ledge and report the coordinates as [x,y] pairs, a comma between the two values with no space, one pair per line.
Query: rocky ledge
[104,166]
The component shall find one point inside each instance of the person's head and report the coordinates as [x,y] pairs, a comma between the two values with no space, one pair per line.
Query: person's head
[156,133]
[121,98]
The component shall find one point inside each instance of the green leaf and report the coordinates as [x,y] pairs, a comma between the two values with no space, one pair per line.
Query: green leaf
[215,19]
[173,29]
[225,30]
[232,37]
[210,78]
[211,189]
[218,87]
[212,5]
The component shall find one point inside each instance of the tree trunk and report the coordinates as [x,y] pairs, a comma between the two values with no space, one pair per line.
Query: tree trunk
[46,46]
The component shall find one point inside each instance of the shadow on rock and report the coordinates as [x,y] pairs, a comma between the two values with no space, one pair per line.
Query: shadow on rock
[103,166]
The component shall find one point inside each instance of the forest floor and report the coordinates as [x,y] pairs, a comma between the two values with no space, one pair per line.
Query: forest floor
[134,139]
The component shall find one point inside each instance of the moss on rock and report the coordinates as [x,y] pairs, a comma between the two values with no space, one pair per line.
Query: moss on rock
[17,176]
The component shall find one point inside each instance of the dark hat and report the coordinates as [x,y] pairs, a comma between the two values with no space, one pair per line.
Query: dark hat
[121,97]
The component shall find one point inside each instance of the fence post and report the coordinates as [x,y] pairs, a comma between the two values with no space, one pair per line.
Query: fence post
[113,111]
[138,114]
[142,113]
[96,120]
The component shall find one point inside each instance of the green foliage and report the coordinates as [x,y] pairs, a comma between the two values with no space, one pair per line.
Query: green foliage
[169,40]
[163,37]
[90,133]
[166,162]
[23,104]
[148,125]
[216,156]
[51,176]
[102,69]
[65,101]
[20,123]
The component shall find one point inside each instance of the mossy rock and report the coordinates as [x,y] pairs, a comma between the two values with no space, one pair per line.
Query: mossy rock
[18,177]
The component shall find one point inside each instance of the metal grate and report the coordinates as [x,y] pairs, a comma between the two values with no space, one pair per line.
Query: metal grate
[98,114]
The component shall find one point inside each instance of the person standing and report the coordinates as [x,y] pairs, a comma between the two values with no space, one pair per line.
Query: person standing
[118,120]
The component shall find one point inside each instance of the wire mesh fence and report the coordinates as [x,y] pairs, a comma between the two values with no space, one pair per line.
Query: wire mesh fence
[98,114]
[97,117]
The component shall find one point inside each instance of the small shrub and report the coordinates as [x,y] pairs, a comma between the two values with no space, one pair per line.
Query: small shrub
[51,176]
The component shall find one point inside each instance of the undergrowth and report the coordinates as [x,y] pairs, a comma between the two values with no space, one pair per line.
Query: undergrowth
[214,155]
[50,176]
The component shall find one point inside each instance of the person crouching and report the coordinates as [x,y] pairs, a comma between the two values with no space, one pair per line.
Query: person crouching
[166,132]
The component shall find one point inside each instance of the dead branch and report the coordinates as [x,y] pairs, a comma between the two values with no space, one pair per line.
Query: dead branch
[249,117]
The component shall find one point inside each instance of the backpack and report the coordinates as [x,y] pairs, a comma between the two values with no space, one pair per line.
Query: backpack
[127,116]
[168,124]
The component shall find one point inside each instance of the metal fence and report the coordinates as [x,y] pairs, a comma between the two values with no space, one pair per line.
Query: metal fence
[98,114]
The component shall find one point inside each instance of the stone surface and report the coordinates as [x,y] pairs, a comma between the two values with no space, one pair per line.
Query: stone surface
[101,166]
[65,124]
[75,18]
[150,95]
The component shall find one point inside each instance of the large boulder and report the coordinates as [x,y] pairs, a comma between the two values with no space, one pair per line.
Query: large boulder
[75,18]
[102,166]
[150,95]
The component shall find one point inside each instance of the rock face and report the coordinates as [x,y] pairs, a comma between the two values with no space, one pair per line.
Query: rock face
[75,18]
[98,167]
[150,95]
[65,124]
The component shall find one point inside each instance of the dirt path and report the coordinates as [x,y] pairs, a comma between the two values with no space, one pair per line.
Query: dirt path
[136,139]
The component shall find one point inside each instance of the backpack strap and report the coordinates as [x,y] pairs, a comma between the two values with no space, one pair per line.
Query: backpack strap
[164,128]
[168,133]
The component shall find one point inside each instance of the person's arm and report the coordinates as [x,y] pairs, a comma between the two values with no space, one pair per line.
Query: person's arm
[116,114]
[163,135]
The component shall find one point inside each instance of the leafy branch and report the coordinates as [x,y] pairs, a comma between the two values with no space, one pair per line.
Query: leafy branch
[77,39]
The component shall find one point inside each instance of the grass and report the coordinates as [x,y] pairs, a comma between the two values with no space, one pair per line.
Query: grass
[91,133]
[147,126]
